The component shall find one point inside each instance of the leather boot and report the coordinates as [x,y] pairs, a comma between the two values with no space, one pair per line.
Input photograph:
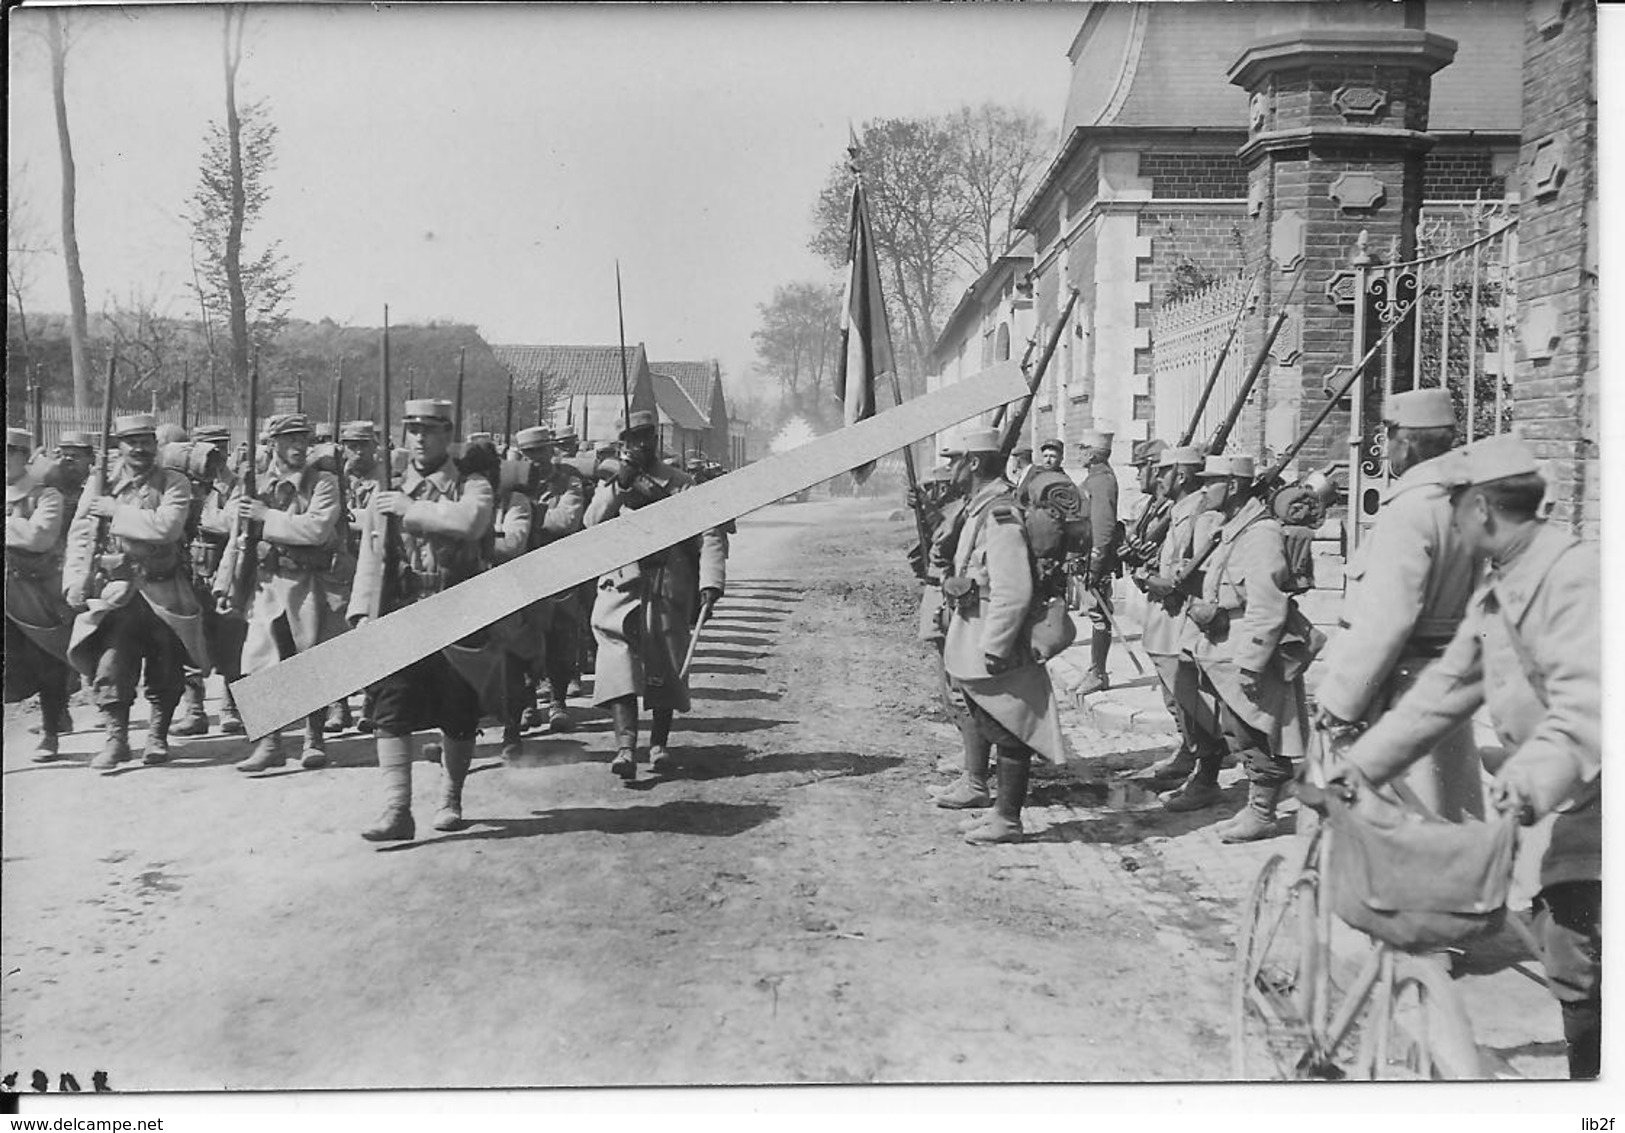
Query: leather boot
[53,705]
[47,749]
[623,714]
[395,761]
[1172,768]
[969,791]
[661,760]
[363,720]
[338,716]
[266,755]
[190,718]
[314,756]
[231,724]
[1004,824]
[116,748]
[156,750]
[1096,680]
[558,720]
[1256,820]
[513,746]
[1199,790]
[455,760]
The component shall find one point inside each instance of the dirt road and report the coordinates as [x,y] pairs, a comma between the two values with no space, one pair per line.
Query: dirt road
[788,908]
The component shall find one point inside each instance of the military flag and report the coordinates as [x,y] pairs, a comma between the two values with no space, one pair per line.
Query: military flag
[866,350]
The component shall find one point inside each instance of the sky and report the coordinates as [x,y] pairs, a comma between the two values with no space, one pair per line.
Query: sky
[490,164]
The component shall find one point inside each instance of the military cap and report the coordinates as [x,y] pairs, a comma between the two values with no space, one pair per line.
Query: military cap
[211,433]
[951,449]
[981,440]
[641,420]
[76,439]
[1180,454]
[1420,409]
[429,410]
[1054,444]
[324,429]
[358,431]
[135,424]
[478,437]
[286,424]
[533,437]
[1148,452]
[1495,458]
[567,433]
[20,438]
[1227,465]
[1025,452]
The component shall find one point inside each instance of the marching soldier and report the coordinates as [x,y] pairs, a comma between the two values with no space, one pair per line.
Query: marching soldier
[644,613]
[38,624]
[358,461]
[75,455]
[299,581]
[126,571]
[1254,644]
[1003,691]
[1100,485]
[1169,638]
[561,502]
[1529,647]
[1405,596]
[208,528]
[432,529]
[512,536]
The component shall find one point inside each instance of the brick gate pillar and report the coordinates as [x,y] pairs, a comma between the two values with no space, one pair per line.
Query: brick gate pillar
[1337,134]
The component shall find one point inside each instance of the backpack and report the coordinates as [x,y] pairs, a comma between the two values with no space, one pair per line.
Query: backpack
[1057,526]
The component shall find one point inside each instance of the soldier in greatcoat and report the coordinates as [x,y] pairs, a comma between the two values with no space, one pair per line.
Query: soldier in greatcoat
[1095,590]
[38,622]
[1005,692]
[560,506]
[645,611]
[1406,591]
[300,578]
[1254,645]
[357,456]
[138,606]
[434,527]
[1529,648]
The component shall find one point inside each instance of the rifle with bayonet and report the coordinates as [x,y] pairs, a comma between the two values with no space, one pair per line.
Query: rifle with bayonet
[246,534]
[104,526]
[1221,435]
[1218,363]
[387,596]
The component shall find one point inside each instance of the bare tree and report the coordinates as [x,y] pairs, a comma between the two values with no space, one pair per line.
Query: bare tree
[147,344]
[24,244]
[58,38]
[1002,151]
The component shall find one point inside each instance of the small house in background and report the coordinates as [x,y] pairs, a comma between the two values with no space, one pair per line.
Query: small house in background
[579,384]
[700,414]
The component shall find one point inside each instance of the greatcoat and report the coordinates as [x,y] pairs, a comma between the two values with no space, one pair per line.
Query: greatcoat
[34,524]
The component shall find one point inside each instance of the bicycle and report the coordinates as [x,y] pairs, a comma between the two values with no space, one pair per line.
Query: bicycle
[1399,1016]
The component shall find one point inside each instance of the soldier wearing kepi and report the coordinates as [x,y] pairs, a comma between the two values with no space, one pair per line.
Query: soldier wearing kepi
[38,624]
[645,613]
[1254,644]
[1095,597]
[299,595]
[75,454]
[1529,647]
[358,449]
[1005,692]
[207,532]
[126,570]
[1406,592]
[560,503]
[437,521]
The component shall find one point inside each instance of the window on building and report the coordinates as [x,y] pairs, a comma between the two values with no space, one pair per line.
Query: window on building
[1001,351]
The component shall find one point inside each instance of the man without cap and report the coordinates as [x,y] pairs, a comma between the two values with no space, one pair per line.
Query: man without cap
[437,520]
[1021,468]
[1003,690]
[1252,649]
[301,577]
[645,613]
[1405,594]
[1169,639]
[1529,647]
[134,591]
[38,622]
[1095,589]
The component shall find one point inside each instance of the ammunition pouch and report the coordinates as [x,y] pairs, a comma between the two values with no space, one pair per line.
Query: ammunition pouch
[277,556]
[960,593]
[28,567]
[205,556]
[118,566]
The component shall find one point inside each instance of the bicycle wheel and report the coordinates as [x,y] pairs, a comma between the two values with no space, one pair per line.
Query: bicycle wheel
[1416,1028]
[1276,956]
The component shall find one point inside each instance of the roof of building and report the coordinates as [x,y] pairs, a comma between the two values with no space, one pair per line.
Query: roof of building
[698,379]
[590,370]
[675,403]
[1151,65]
[1018,259]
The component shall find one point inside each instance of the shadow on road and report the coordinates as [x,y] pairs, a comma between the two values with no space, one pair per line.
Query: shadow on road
[732,762]
[716,820]
[723,638]
[705,651]
[727,724]
[1117,828]
[734,694]
[725,669]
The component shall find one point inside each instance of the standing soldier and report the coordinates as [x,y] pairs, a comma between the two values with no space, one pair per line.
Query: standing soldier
[1530,648]
[358,444]
[1406,593]
[512,534]
[1254,644]
[298,596]
[434,527]
[561,503]
[1004,692]
[38,624]
[1170,638]
[645,611]
[75,455]
[1100,485]
[207,532]
[126,571]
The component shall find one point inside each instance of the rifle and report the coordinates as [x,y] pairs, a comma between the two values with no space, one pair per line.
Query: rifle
[620,319]
[1013,427]
[1026,357]
[457,415]
[388,590]
[1222,434]
[98,575]
[921,528]
[338,455]
[1218,363]
[507,421]
[248,533]
[1271,478]
[186,394]
[36,408]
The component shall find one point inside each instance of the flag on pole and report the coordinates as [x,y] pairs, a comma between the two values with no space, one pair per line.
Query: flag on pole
[866,351]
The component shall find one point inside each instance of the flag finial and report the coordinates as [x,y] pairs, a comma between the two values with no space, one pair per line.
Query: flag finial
[853,149]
